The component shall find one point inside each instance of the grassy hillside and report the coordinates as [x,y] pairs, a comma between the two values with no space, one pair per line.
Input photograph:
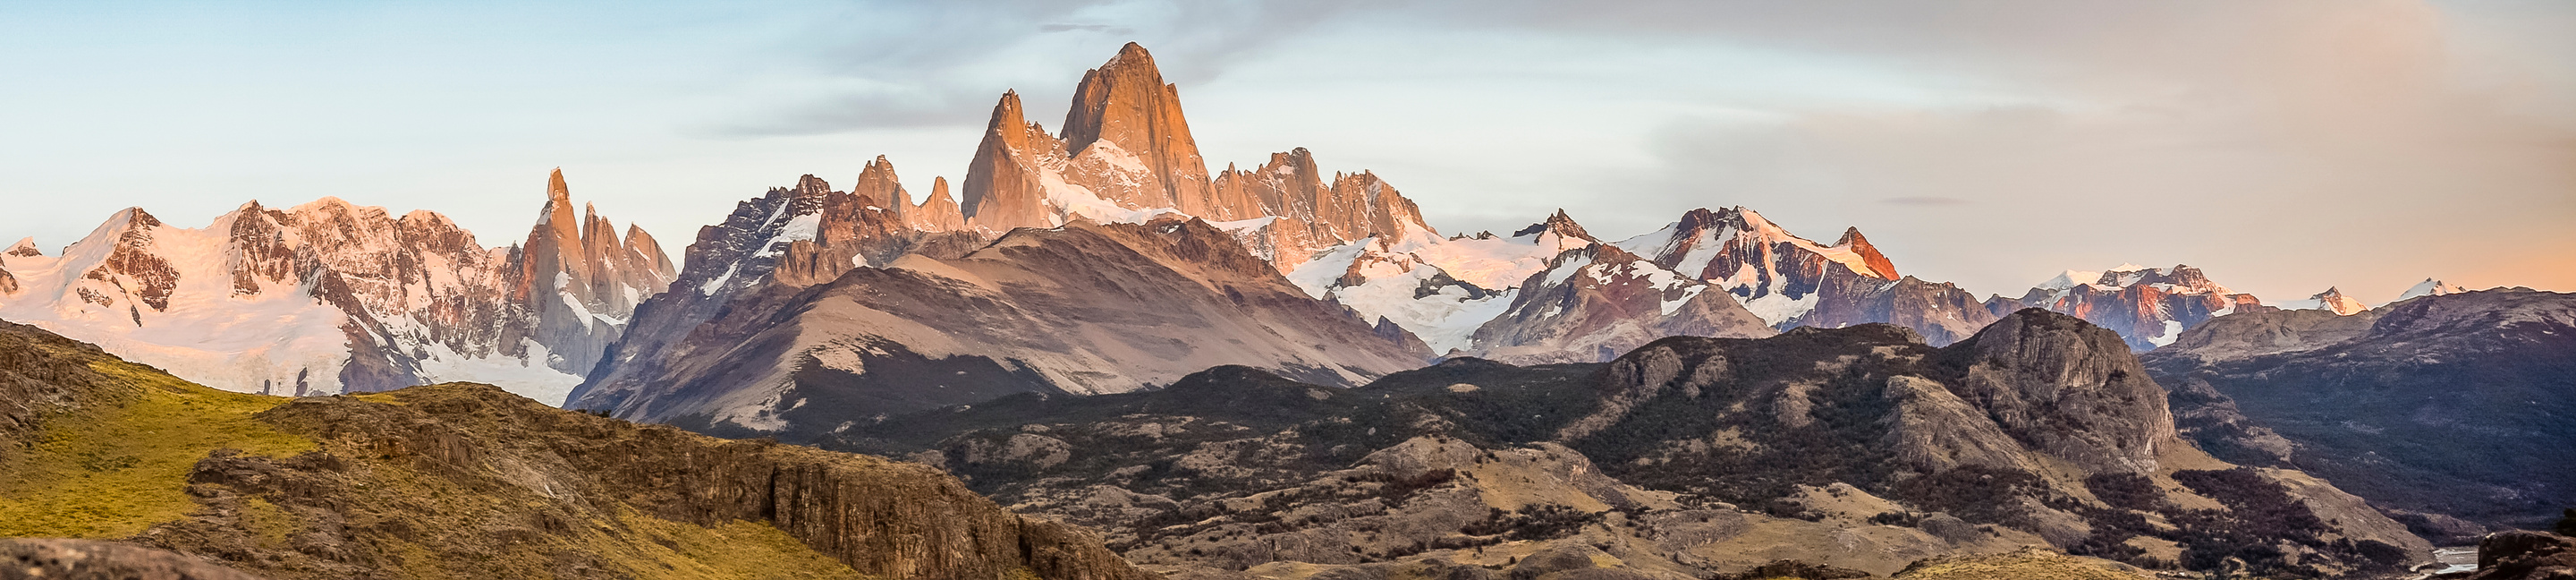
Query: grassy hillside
[111,471]
[469,481]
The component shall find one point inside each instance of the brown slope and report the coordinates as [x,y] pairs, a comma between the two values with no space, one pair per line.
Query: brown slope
[1082,309]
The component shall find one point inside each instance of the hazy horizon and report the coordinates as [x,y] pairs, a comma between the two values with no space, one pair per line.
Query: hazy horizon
[2283,147]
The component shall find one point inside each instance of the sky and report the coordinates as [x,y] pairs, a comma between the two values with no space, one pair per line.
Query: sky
[2281,146]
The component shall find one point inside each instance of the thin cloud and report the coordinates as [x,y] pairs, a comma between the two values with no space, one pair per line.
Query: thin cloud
[925,64]
[1925,200]
[1062,27]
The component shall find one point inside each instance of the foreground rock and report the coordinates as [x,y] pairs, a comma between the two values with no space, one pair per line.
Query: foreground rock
[2519,555]
[62,559]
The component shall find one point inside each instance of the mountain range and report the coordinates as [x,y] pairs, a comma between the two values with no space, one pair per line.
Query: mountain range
[1232,369]
[331,297]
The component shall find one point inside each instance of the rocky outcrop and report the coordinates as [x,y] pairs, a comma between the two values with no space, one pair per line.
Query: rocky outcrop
[2520,555]
[67,559]
[577,279]
[2358,399]
[42,376]
[2067,388]
[877,182]
[25,248]
[938,213]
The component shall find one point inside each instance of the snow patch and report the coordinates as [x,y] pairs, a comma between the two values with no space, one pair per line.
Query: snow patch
[529,377]
[2429,287]
[2173,330]
[1776,309]
[2069,279]
[1565,271]
[803,227]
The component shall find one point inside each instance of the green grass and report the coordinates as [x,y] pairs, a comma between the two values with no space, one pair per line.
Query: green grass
[733,550]
[112,472]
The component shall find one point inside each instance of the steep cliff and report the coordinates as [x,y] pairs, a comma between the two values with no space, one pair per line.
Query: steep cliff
[578,280]
[1126,155]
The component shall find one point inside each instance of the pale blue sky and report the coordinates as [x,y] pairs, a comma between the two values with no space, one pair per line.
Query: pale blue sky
[2283,146]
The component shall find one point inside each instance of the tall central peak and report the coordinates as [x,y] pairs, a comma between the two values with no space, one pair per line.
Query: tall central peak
[1125,102]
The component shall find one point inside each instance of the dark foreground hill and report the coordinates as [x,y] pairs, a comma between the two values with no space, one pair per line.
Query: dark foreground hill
[468,481]
[1860,448]
[2461,404]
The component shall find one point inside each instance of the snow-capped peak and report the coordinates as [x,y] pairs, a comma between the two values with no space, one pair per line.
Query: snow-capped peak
[25,248]
[2429,287]
[2070,278]
[2332,300]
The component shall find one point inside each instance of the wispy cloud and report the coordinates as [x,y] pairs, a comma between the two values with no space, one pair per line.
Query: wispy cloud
[1925,200]
[918,64]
